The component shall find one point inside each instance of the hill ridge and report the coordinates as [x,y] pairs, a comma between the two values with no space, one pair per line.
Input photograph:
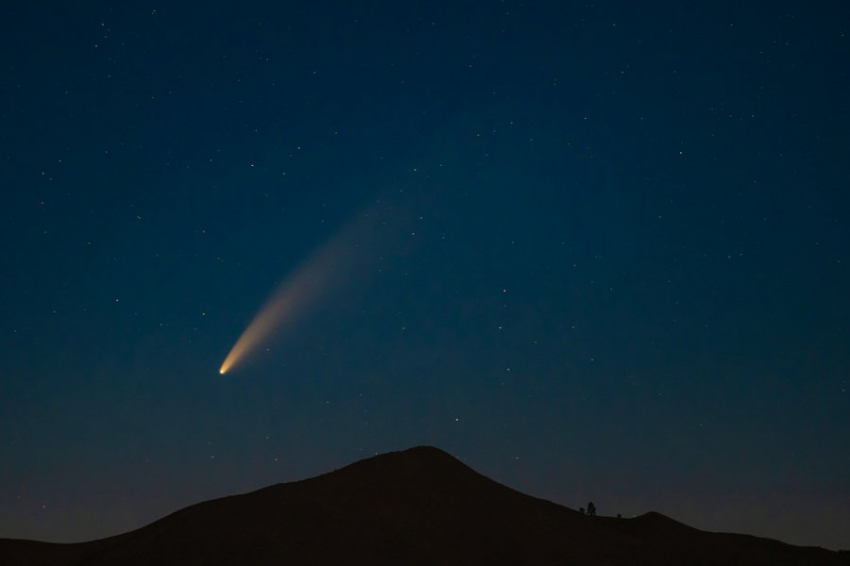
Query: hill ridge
[415,506]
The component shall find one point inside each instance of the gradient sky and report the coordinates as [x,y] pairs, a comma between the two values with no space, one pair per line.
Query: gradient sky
[612,257]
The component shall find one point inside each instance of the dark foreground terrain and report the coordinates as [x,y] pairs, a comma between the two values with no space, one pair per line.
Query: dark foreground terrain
[419,506]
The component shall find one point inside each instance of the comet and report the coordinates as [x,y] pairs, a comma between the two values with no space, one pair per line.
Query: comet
[336,263]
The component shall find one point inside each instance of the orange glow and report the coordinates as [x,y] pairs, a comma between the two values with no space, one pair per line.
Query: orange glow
[334,263]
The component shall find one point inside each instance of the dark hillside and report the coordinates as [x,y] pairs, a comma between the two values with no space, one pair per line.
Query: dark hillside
[419,506]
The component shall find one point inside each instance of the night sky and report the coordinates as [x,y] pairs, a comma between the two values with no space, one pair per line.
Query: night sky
[598,251]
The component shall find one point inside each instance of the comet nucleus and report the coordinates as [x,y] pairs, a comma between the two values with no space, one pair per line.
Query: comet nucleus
[331,267]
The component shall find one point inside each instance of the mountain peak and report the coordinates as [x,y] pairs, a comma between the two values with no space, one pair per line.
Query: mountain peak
[415,506]
[427,457]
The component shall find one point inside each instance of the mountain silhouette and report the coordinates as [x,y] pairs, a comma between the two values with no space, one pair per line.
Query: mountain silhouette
[418,506]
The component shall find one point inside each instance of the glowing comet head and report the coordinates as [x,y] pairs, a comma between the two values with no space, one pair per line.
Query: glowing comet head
[332,264]
[270,317]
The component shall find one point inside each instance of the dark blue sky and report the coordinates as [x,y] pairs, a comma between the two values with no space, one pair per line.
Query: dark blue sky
[613,263]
